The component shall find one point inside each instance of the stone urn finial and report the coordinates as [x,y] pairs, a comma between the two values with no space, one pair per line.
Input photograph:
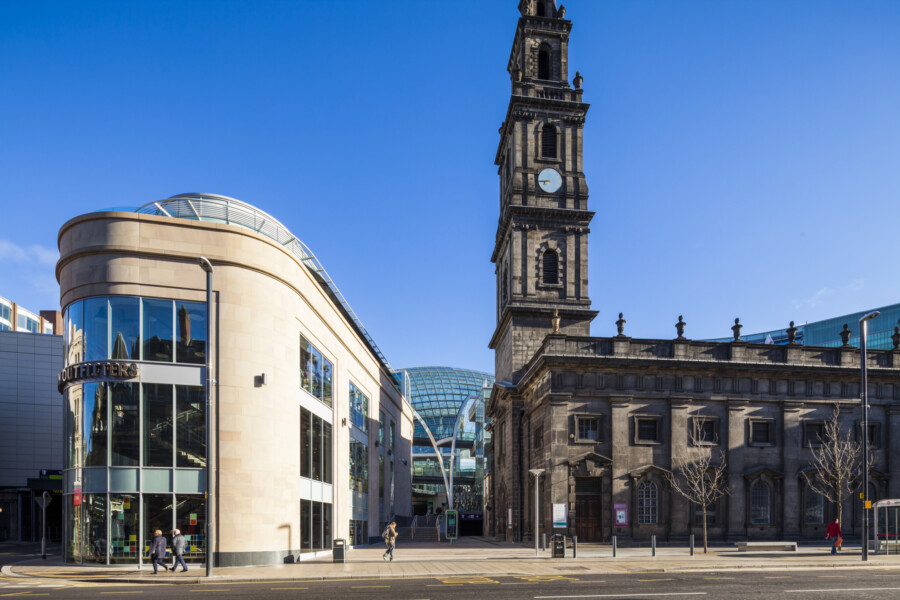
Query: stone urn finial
[845,335]
[620,325]
[896,338]
[679,327]
[736,329]
[791,333]
[578,80]
[555,320]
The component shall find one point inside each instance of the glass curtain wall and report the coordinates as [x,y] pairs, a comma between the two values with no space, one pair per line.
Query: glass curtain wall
[122,438]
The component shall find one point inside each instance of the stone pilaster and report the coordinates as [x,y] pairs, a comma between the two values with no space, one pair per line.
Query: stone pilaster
[620,406]
[680,428]
[792,438]
[736,441]
[557,475]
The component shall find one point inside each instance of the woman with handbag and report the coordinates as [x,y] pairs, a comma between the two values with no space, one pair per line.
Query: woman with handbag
[834,532]
[158,551]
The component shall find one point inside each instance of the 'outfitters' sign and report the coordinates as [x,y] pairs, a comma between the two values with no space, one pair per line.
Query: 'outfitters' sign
[106,369]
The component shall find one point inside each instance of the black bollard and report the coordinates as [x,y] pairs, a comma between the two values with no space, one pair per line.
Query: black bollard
[692,544]
[543,541]
[574,546]
[653,544]
[614,546]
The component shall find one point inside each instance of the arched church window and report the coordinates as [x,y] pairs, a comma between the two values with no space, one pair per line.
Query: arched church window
[544,62]
[548,141]
[648,501]
[759,504]
[551,267]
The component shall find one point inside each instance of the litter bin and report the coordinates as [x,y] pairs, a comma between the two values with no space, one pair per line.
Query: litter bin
[558,543]
[339,550]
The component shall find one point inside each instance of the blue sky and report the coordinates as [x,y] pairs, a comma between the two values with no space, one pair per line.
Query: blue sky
[742,157]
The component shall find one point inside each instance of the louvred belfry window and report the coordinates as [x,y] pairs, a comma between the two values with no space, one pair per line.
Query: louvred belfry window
[548,141]
[551,268]
[544,63]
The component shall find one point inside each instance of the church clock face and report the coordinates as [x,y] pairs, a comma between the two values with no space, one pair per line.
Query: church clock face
[549,180]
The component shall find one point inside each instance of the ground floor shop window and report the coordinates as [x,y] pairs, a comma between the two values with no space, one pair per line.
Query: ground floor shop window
[117,528]
[315,526]
[359,532]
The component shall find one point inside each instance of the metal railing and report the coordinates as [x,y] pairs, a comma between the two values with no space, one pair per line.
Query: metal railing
[214,208]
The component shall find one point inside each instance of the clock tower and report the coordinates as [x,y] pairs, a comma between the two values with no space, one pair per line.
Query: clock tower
[541,247]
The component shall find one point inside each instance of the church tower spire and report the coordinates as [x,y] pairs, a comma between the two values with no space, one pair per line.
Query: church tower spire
[541,246]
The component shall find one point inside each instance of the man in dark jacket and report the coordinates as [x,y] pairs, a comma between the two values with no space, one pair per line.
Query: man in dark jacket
[178,544]
[158,551]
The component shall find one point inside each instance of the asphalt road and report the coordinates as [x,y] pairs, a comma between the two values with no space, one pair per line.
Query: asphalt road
[837,584]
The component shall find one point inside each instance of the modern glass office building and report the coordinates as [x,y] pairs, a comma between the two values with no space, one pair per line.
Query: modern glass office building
[827,333]
[284,434]
[438,394]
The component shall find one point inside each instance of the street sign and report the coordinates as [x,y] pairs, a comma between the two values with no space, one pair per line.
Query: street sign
[43,501]
[452,524]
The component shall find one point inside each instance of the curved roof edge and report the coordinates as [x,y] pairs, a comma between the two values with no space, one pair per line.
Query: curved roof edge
[215,208]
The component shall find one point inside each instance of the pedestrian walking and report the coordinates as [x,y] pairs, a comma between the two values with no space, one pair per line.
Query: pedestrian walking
[390,538]
[178,544]
[158,551]
[833,532]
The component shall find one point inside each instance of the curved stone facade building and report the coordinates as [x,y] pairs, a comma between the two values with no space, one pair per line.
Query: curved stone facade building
[295,380]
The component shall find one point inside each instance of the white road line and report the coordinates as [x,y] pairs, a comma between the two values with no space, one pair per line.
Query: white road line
[891,589]
[628,595]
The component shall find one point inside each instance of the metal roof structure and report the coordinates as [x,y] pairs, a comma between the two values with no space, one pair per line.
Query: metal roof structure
[214,208]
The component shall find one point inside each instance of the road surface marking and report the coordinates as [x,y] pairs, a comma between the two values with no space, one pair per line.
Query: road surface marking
[290,588]
[122,592]
[718,578]
[369,586]
[841,590]
[656,580]
[780,577]
[629,595]
[228,590]
[443,585]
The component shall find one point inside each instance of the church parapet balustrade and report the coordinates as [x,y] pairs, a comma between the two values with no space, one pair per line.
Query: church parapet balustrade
[633,349]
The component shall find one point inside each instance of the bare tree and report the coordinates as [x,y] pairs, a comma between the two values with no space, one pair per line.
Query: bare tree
[695,476]
[837,464]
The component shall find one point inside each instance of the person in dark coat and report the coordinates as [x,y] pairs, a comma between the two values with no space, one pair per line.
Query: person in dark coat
[158,551]
[178,544]
[833,532]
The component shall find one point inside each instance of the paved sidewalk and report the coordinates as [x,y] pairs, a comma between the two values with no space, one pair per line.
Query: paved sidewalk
[473,557]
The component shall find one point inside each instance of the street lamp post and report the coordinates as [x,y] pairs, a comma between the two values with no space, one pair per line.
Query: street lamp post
[207,266]
[537,504]
[864,395]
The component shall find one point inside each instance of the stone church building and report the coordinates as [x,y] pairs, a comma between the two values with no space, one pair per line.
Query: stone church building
[608,418]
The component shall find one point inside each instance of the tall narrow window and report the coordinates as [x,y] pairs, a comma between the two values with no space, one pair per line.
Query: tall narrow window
[551,268]
[548,141]
[815,507]
[544,62]
[648,499]
[541,12]
[759,504]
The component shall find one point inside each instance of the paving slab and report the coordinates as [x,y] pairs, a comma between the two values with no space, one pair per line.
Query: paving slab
[471,558]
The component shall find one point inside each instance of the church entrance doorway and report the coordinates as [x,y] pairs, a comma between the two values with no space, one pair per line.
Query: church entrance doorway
[588,508]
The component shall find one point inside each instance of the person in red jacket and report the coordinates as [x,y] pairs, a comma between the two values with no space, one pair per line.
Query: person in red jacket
[834,532]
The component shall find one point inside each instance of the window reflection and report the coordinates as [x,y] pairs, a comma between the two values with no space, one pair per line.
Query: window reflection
[123,528]
[75,333]
[191,332]
[157,515]
[124,442]
[94,528]
[157,330]
[125,326]
[95,333]
[317,448]
[190,416]
[190,518]
[74,435]
[157,425]
[315,372]
[95,425]
[305,442]
[326,453]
